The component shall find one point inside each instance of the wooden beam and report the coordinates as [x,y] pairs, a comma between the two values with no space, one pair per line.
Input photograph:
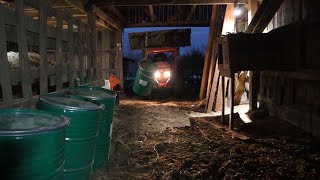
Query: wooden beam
[43,48]
[117,12]
[263,16]
[259,22]
[165,2]
[176,16]
[231,100]
[90,56]
[214,88]
[119,52]
[222,129]
[199,23]
[152,16]
[223,88]
[206,66]
[79,5]
[252,9]
[193,9]
[4,68]
[59,54]
[71,50]
[23,49]
[80,37]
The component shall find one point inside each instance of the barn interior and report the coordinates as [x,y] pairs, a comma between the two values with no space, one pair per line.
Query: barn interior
[265,50]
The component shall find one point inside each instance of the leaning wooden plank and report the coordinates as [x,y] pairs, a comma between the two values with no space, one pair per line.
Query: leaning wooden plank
[43,48]
[71,59]
[59,55]
[221,93]
[4,68]
[23,50]
[221,128]
[214,89]
[206,66]
[202,102]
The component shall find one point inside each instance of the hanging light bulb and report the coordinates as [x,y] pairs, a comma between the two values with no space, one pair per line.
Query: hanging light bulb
[237,12]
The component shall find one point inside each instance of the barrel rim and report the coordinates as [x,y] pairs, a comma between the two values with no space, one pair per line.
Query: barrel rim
[112,93]
[99,107]
[144,69]
[64,122]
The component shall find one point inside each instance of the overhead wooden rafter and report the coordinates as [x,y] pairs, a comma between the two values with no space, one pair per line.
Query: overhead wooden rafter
[176,16]
[206,65]
[164,2]
[263,16]
[79,5]
[116,11]
[152,15]
[193,9]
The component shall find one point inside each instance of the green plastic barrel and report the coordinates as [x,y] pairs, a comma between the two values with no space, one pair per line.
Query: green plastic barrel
[144,80]
[80,134]
[107,98]
[31,145]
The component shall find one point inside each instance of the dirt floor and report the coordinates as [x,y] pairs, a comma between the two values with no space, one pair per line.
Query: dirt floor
[164,140]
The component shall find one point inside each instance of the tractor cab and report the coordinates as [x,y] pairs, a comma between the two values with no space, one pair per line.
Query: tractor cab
[165,59]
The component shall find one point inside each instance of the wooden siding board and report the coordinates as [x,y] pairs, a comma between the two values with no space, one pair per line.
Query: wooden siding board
[43,48]
[59,55]
[4,68]
[23,49]
[71,57]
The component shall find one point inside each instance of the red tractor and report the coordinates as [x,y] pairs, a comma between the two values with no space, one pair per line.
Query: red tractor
[165,58]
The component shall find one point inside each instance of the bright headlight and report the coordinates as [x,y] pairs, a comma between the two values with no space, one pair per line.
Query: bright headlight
[167,74]
[157,74]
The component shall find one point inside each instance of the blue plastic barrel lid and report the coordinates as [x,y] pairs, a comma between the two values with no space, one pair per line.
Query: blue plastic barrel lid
[28,121]
[69,102]
[92,93]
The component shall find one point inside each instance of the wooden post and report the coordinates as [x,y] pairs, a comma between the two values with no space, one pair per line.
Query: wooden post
[94,60]
[59,56]
[99,55]
[4,68]
[107,46]
[43,48]
[211,70]
[71,59]
[206,66]
[253,83]
[252,9]
[223,97]
[89,46]
[231,98]
[80,51]
[119,52]
[23,50]
[214,88]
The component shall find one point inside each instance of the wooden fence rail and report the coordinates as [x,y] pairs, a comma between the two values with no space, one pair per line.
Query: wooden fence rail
[74,49]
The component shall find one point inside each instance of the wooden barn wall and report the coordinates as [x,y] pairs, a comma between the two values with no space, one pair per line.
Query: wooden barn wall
[294,96]
[80,51]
